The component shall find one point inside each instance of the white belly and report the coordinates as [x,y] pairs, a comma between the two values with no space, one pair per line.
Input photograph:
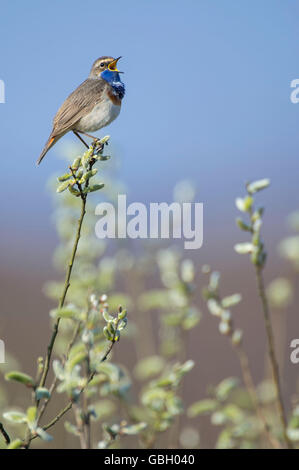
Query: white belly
[101,115]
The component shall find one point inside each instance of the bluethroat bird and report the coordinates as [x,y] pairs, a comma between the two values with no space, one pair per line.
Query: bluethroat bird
[93,105]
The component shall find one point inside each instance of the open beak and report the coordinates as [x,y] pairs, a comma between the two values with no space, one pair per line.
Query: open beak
[113,65]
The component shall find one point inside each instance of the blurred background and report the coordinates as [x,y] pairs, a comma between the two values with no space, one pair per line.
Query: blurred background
[207,101]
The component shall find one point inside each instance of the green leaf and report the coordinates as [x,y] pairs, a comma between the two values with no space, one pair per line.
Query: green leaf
[243,248]
[218,418]
[280,293]
[111,327]
[110,370]
[86,157]
[62,187]
[224,328]
[74,191]
[107,317]
[191,319]
[15,416]
[58,369]
[93,188]
[248,201]
[187,366]
[233,413]
[121,315]
[76,359]
[237,337]
[149,367]
[225,387]
[244,204]
[242,225]
[107,333]
[214,307]
[202,407]
[257,215]
[293,434]
[89,174]
[76,163]
[214,280]
[154,398]
[103,158]
[43,434]
[15,444]
[65,312]
[258,185]
[133,429]
[65,177]
[20,377]
[31,414]
[122,324]
[225,440]
[231,300]
[105,139]
[42,392]
[103,409]
[187,270]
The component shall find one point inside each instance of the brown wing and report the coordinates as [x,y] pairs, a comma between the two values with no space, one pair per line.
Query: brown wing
[78,104]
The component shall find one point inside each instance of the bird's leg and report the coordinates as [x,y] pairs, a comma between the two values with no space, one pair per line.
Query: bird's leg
[96,145]
[88,135]
[79,137]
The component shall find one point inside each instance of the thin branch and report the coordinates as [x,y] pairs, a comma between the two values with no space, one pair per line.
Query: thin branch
[113,341]
[69,405]
[272,355]
[97,146]
[54,383]
[4,433]
[249,384]
[64,292]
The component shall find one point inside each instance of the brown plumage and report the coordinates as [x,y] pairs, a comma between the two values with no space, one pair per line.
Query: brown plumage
[80,102]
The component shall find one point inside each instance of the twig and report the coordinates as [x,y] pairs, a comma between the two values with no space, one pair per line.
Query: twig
[97,146]
[69,405]
[65,289]
[54,383]
[113,341]
[272,355]
[80,426]
[4,433]
[249,384]
[60,305]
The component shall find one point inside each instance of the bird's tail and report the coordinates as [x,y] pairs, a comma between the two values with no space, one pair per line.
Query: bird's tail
[50,142]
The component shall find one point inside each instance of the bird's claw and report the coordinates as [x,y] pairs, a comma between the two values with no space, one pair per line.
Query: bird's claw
[97,146]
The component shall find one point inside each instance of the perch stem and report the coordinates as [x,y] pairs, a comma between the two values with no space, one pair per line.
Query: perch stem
[64,292]
[272,355]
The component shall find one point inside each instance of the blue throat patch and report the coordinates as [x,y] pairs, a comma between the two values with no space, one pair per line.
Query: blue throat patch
[114,80]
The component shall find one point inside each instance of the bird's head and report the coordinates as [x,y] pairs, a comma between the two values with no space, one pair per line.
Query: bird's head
[102,64]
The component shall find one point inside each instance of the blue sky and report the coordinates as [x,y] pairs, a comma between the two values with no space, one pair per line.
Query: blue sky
[208,98]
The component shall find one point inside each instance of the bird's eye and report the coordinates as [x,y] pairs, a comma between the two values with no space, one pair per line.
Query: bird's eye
[102,64]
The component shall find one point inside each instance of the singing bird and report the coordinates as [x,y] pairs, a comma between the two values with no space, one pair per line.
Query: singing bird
[93,105]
